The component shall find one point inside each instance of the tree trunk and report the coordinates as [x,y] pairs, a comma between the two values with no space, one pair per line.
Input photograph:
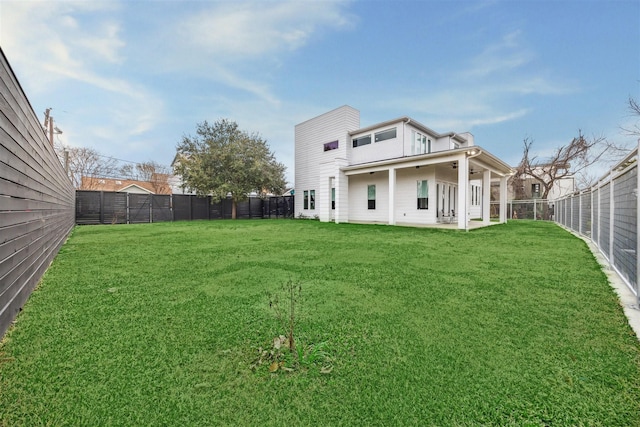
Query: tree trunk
[234,208]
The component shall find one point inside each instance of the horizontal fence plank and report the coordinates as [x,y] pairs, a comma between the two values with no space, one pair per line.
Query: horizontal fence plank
[37,199]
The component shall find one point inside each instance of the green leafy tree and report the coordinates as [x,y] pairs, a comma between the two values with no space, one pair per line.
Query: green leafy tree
[222,160]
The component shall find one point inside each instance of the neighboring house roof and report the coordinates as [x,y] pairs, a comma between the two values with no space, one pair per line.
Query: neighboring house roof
[135,188]
[161,186]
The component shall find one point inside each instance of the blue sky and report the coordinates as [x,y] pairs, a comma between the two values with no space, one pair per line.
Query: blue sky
[131,78]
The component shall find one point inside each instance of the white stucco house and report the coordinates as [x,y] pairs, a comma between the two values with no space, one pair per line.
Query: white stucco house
[397,172]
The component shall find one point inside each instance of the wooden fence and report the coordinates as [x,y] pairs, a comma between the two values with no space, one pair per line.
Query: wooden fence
[36,198]
[102,207]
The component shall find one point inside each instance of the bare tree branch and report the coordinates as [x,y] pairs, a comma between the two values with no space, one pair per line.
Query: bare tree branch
[634,108]
[572,160]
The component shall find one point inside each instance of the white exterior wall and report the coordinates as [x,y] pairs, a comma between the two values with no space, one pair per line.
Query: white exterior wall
[310,137]
[388,149]
[358,201]
[407,211]
[561,188]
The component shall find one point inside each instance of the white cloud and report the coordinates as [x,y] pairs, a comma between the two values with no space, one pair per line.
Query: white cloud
[469,122]
[501,57]
[228,41]
[489,88]
[71,61]
[231,31]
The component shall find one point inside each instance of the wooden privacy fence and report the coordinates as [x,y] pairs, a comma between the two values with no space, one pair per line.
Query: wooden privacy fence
[36,198]
[102,207]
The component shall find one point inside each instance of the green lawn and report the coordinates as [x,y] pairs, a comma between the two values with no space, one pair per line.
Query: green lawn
[160,324]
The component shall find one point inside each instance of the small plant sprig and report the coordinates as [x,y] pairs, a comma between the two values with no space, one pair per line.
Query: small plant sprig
[286,353]
[287,315]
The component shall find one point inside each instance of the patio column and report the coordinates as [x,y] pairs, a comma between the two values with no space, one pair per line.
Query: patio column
[341,183]
[392,196]
[323,196]
[503,199]
[486,197]
[463,184]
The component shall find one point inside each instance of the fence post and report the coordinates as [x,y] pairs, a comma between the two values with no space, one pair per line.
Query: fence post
[637,223]
[102,207]
[611,214]
[591,215]
[580,213]
[599,215]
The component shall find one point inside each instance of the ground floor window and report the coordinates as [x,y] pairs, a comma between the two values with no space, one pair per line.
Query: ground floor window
[371,196]
[423,194]
[309,199]
[333,198]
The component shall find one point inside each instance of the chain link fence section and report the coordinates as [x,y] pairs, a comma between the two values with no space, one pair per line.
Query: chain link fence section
[536,209]
[607,214]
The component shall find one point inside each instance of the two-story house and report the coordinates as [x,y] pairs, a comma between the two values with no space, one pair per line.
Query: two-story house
[394,172]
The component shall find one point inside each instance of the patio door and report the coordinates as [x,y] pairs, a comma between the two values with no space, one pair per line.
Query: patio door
[446,198]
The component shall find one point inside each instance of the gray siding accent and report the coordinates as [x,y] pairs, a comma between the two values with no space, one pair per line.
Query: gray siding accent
[37,199]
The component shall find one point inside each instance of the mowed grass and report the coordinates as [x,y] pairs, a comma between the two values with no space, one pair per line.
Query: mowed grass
[159,324]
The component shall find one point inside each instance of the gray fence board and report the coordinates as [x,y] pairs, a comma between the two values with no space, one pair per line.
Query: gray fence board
[97,207]
[609,217]
[36,198]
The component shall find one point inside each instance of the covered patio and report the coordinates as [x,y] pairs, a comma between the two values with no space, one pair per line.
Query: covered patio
[460,179]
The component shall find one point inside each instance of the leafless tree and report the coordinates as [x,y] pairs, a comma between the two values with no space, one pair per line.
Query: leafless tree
[571,160]
[156,174]
[153,172]
[88,163]
[634,108]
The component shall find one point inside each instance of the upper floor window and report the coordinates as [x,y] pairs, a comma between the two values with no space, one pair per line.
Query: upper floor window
[333,145]
[535,190]
[420,143]
[361,140]
[385,134]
